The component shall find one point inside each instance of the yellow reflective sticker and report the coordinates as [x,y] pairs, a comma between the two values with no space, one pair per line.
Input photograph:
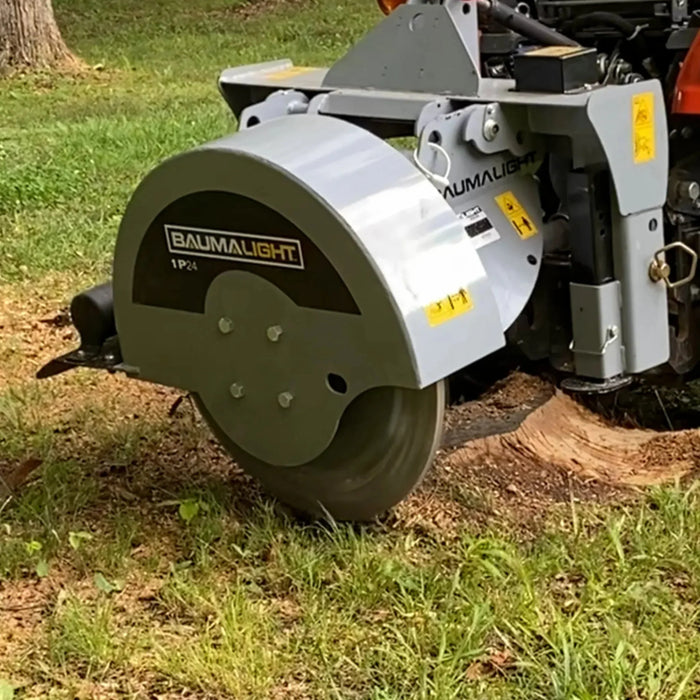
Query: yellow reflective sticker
[287,73]
[643,127]
[516,214]
[448,308]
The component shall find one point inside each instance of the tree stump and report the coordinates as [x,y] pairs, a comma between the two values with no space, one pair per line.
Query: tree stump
[29,36]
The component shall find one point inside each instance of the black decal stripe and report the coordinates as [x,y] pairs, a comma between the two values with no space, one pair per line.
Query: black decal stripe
[158,283]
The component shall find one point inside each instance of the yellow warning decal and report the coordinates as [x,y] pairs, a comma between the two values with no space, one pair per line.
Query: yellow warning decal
[643,127]
[448,308]
[516,214]
[287,73]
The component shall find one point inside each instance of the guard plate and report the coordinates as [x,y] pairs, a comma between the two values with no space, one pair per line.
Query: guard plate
[320,195]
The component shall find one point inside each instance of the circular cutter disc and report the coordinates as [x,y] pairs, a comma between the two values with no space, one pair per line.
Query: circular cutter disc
[385,443]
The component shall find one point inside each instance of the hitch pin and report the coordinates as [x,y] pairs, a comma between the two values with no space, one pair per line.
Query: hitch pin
[660,270]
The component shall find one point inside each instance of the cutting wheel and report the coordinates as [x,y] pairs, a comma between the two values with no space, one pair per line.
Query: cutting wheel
[384,445]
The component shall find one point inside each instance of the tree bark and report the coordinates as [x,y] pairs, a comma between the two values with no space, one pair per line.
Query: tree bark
[29,36]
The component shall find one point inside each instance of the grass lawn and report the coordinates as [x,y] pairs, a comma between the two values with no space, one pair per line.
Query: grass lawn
[137,562]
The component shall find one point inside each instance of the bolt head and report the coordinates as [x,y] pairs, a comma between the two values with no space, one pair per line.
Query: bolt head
[225,325]
[491,129]
[237,390]
[688,189]
[285,399]
[274,333]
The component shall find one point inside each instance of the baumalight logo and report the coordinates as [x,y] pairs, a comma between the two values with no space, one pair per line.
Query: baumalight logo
[489,176]
[239,247]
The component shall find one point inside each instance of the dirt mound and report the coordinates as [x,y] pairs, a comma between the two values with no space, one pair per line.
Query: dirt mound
[523,448]
[500,410]
[563,434]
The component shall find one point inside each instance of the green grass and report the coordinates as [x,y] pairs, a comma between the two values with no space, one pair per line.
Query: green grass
[600,605]
[73,149]
[239,600]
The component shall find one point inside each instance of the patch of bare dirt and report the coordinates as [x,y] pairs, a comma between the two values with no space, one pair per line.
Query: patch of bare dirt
[34,328]
[23,606]
[28,605]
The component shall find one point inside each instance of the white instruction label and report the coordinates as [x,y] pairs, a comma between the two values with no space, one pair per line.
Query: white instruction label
[478,227]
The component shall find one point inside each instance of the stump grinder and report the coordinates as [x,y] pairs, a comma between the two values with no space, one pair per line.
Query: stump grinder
[471,175]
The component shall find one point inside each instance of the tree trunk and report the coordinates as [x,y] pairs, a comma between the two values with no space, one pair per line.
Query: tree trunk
[29,36]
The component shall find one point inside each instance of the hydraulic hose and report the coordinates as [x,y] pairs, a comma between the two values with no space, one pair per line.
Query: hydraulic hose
[609,19]
[521,24]
[629,31]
